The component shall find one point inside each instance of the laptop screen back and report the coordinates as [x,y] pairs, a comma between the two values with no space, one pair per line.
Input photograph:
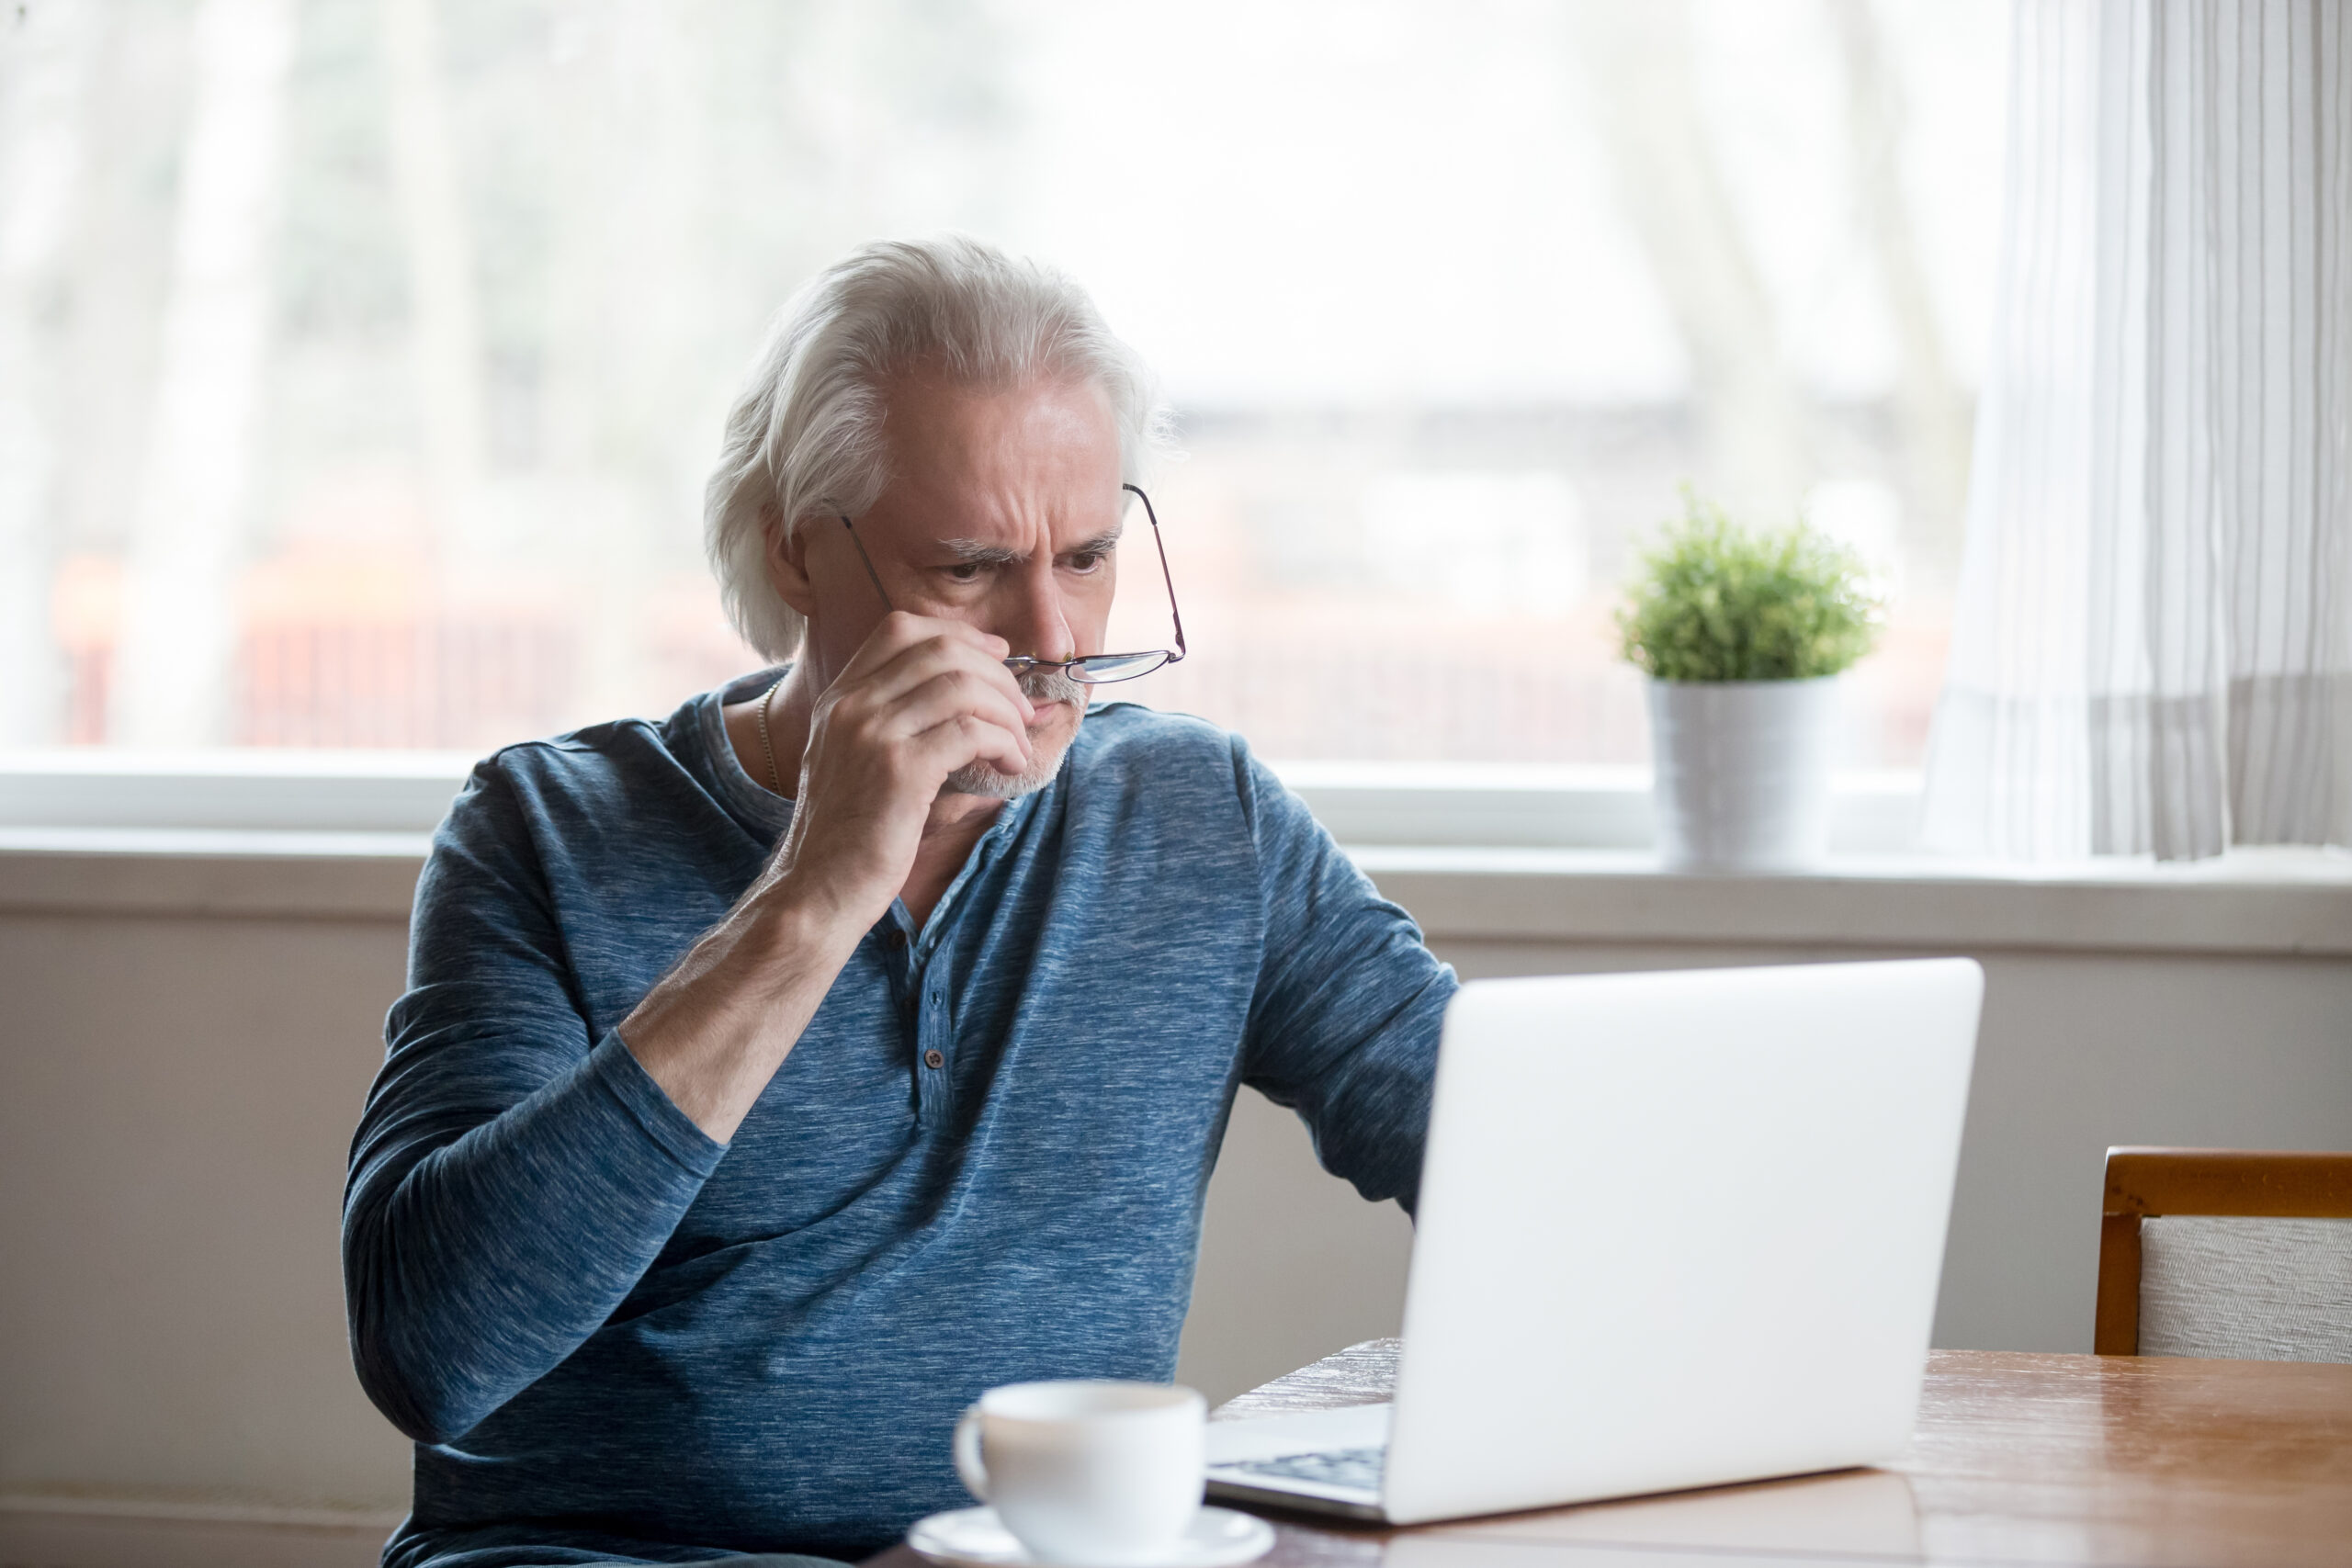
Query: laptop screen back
[1678,1229]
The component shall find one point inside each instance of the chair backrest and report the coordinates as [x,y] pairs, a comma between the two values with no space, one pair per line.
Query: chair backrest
[2230,1253]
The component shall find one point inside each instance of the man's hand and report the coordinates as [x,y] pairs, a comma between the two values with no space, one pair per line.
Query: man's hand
[921,699]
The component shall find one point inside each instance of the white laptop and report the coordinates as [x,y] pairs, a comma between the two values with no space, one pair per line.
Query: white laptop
[1676,1229]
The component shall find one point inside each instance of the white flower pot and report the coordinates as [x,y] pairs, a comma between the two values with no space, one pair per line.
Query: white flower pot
[1742,780]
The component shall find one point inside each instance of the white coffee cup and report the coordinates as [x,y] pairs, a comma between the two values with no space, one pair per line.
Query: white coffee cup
[1098,1473]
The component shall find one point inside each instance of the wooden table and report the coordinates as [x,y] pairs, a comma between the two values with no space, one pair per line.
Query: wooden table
[2017,1459]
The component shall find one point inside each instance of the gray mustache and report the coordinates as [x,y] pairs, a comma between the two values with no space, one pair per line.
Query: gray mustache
[1050,686]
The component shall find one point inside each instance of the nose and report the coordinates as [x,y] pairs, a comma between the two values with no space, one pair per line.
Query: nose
[1037,623]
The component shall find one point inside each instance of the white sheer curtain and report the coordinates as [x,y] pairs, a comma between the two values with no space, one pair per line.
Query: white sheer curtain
[2153,649]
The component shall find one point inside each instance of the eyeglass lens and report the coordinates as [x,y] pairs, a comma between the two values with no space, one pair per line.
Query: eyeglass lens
[1097,669]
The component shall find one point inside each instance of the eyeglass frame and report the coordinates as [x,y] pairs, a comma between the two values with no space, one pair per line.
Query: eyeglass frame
[1021,662]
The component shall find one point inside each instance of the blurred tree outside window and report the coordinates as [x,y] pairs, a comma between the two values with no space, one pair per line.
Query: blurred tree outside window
[361,361]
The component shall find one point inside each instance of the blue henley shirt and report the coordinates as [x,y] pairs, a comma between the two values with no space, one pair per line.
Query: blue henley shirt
[613,1339]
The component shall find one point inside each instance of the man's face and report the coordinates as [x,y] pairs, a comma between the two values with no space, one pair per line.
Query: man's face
[1003,512]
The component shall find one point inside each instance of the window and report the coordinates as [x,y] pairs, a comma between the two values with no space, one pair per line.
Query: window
[361,360]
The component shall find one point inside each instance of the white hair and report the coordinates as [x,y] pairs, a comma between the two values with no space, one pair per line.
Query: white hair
[805,437]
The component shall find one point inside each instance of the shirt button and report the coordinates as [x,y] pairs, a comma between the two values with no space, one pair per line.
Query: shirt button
[934,1059]
[895,941]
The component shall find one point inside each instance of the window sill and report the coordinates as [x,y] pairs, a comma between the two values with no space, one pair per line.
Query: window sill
[209,871]
[395,792]
[2277,903]
[1478,853]
[2292,902]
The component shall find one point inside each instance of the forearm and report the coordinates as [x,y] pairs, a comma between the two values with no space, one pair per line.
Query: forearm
[715,1030]
[474,1266]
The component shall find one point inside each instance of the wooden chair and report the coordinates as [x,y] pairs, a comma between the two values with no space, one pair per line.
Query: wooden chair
[2226,1253]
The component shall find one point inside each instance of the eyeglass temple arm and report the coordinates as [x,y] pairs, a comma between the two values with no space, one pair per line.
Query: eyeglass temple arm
[867,561]
[1165,575]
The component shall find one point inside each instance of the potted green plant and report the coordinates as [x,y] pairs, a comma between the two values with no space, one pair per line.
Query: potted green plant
[1743,632]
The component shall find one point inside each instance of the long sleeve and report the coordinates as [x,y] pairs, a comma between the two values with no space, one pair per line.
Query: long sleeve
[1343,1027]
[512,1179]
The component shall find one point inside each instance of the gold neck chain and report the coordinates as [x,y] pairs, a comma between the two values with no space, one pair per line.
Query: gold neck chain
[767,748]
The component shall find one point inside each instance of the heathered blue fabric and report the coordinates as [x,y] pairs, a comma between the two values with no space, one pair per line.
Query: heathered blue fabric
[613,1339]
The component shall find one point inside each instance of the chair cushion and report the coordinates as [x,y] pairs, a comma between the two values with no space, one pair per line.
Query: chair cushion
[2247,1289]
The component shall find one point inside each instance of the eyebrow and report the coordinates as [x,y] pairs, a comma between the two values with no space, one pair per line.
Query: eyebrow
[971,552]
[974,552]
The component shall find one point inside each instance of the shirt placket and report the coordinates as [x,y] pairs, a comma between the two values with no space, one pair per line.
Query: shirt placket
[909,989]
[931,995]
[934,1041]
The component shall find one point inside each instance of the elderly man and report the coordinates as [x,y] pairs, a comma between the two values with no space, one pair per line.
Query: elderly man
[774,1078]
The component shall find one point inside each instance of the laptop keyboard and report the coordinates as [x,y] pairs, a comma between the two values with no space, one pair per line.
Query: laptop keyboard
[1359,1468]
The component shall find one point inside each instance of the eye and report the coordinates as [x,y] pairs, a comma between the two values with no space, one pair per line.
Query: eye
[1087,561]
[963,571]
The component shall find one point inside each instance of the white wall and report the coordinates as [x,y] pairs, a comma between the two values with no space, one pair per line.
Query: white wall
[185,1051]
[176,1096]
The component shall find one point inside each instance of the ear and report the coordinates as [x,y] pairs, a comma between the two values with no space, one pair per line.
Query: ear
[788,560]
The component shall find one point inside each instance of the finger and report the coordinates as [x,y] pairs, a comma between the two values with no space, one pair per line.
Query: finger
[966,739]
[911,667]
[945,696]
[900,630]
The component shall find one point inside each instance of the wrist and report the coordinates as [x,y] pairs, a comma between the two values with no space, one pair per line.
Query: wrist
[793,923]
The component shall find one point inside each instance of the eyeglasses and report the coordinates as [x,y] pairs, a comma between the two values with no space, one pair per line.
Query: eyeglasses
[1090,669]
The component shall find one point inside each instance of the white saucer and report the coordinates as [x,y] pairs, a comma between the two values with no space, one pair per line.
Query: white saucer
[972,1537]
